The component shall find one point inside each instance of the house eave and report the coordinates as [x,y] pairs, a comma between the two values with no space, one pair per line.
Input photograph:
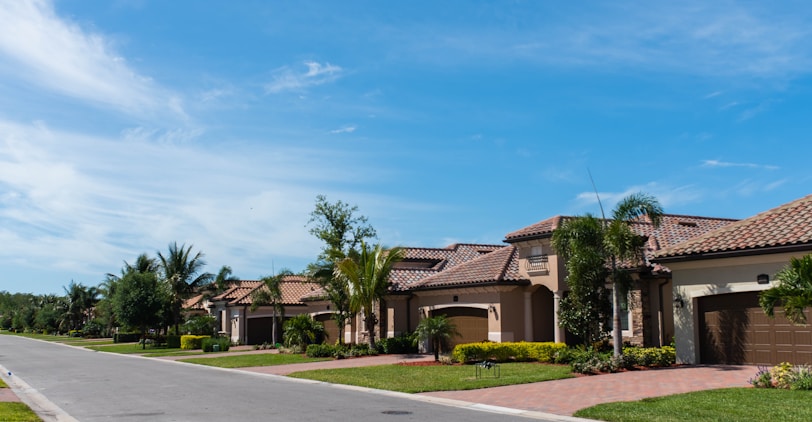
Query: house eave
[734,253]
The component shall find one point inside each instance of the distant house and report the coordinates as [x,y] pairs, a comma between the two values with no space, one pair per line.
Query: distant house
[232,309]
[717,278]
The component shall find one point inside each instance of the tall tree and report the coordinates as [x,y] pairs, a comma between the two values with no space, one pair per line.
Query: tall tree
[182,272]
[438,330]
[368,280]
[138,301]
[623,244]
[793,291]
[81,300]
[585,310]
[589,245]
[271,294]
[342,230]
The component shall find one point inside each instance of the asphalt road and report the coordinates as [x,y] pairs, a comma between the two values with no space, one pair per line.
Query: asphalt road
[95,386]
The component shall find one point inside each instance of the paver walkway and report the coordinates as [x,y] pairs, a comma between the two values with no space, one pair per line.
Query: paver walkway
[564,397]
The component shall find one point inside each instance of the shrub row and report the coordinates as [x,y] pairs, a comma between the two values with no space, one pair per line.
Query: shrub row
[592,361]
[192,342]
[783,375]
[404,343]
[339,351]
[222,344]
[505,352]
[126,337]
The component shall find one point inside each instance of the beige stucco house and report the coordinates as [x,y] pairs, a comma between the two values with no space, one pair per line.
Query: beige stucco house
[716,281]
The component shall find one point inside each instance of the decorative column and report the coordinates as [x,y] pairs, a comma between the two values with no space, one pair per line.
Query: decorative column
[558,333]
[528,316]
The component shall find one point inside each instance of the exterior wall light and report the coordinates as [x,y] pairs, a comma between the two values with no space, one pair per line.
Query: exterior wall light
[679,303]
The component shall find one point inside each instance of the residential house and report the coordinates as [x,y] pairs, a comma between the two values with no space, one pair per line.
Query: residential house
[717,278]
[235,319]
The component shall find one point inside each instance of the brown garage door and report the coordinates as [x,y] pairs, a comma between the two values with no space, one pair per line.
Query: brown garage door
[471,323]
[734,330]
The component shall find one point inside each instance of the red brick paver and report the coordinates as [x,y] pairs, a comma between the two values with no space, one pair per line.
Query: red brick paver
[6,395]
[564,397]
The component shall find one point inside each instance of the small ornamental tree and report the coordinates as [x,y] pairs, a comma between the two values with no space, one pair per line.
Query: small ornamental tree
[438,330]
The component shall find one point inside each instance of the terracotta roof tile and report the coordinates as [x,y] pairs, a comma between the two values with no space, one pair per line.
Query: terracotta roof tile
[787,225]
[501,266]
[544,227]
[293,289]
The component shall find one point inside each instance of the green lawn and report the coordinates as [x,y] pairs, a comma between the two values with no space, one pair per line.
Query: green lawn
[263,359]
[418,379]
[3,385]
[729,404]
[17,412]
[135,348]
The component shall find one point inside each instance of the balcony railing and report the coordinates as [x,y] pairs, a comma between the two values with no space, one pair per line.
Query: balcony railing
[536,263]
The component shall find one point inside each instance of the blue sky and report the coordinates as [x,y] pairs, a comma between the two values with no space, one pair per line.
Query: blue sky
[127,125]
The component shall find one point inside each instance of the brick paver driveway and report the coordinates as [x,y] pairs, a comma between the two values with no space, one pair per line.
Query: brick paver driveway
[564,397]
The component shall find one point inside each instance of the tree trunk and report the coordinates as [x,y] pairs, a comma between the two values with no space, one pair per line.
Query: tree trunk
[617,332]
[273,328]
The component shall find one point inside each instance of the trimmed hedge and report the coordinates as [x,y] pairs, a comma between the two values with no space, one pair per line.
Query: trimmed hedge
[191,342]
[208,344]
[126,337]
[173,341]
[507,352]
[651,356]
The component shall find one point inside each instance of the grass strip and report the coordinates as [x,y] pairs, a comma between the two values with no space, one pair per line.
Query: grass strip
[262,359]
[419,379]
[728,404]
[17,412]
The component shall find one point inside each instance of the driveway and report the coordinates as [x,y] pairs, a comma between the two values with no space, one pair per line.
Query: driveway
[564,397]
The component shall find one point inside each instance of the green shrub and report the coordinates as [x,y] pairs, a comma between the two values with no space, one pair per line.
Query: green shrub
[651,356]
[320,350]
[404,343]
[762,379]
[801,378]
[75,333]
[192,342]
[509,351]
[126,337]
[173,341]
[207,344]
[200,325]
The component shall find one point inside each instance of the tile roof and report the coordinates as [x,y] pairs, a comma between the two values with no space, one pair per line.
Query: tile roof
[501,266]
[673,229]
[787,225]
[293,289]
[541,229]
[419,263]
[194,302]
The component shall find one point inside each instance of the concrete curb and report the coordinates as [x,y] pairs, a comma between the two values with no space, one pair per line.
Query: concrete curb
[44,408]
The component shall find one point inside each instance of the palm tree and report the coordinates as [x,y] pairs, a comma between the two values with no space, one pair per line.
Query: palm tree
[793,291]
[271,294]
[81,300]
[368,280]
[614,241]
[438,330]
[624,244]
[181,271]
[302,330]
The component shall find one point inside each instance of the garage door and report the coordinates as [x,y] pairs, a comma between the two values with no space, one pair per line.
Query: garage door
[734,330]
[471,323]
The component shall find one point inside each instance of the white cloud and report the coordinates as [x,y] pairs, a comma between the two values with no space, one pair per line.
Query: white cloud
[286,79]
[727,164]
[51,53]
[345,129]
[85,203]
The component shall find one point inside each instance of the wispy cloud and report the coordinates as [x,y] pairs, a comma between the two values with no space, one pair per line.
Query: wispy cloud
[668,196]
[86,202]
[727,164]
[52,53]
[345,129]
[287,79]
